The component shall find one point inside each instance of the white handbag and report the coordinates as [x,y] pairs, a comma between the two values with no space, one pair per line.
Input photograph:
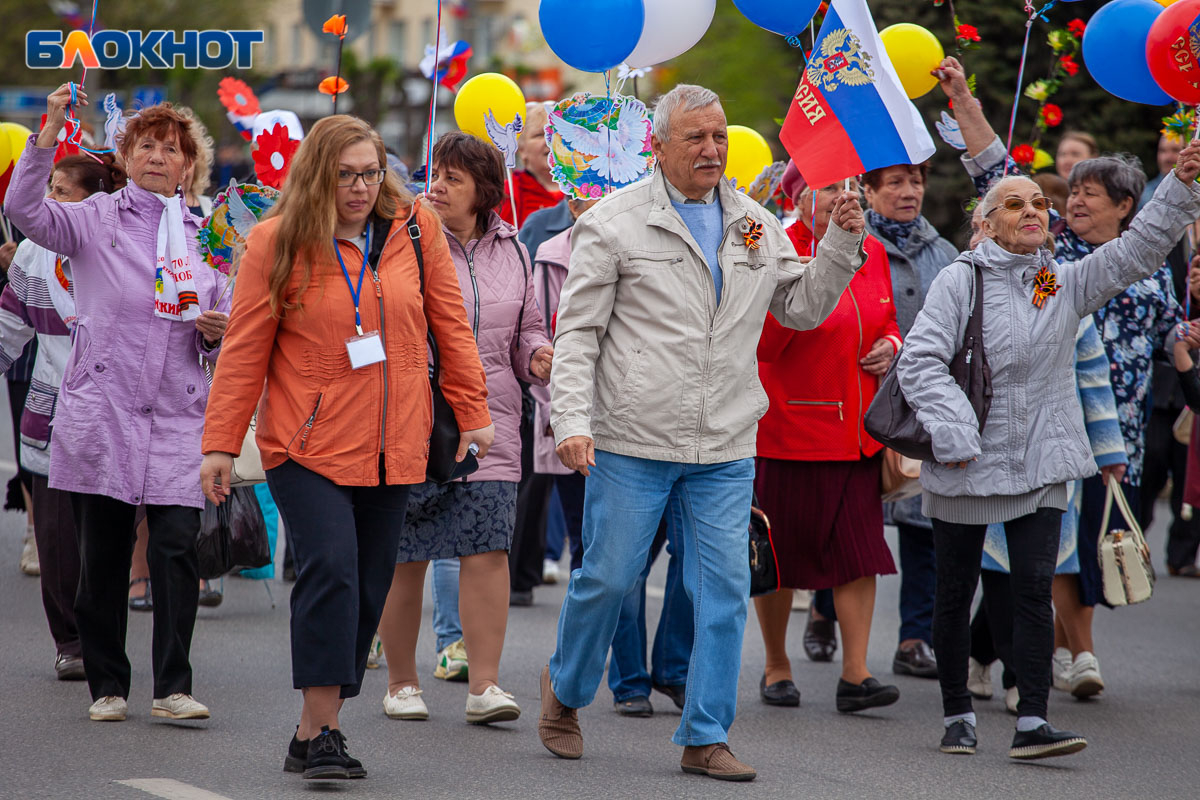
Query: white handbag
[247,467]
[1124,555]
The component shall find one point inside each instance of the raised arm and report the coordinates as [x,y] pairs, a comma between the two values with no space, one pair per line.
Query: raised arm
[976,131]
[809,292]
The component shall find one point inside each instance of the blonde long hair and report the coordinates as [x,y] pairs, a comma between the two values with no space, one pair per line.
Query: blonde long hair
[307,209]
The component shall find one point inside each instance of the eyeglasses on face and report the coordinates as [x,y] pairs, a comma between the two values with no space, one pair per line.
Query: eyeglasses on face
[371,177]
[1018,204]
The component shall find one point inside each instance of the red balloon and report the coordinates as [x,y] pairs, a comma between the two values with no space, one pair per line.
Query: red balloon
[1173,51]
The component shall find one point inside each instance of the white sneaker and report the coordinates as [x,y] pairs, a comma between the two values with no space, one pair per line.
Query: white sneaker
[29,556]
[494,705]
[1011,698]
[452,662]
[1084,678]
[549,571]
[1060,668]
[979,680]
[375,654]
[109,709]
[179,706]
[405,704]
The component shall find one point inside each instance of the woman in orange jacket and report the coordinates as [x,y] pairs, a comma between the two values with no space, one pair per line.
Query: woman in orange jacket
[344,424]
[818,470]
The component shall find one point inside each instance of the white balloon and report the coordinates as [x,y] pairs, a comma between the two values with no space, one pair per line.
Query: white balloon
[672,28]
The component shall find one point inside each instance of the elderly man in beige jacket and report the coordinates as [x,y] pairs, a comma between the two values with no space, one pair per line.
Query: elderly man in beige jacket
[655,396]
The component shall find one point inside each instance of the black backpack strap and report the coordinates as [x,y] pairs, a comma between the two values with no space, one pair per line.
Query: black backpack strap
[414,233]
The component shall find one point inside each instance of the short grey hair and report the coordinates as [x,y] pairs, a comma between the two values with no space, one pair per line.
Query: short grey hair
[991,200]
[685,97]
[1120,174]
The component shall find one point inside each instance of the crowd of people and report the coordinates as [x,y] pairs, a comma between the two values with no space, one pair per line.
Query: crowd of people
[632,374]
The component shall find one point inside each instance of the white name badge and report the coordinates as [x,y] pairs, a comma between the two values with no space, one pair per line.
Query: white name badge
[365,350]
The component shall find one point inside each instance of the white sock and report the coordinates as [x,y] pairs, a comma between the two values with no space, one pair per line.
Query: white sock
[968,717]
[1026,724]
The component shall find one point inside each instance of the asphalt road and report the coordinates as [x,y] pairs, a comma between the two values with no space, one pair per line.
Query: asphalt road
[1143,731]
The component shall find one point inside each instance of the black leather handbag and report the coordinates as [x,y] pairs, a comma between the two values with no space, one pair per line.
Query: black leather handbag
[892,422]
[444,436]
[764,567]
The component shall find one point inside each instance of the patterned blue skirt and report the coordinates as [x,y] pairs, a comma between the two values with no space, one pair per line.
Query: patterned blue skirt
[458,519]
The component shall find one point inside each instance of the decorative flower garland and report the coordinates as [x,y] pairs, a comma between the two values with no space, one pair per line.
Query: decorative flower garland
[1065,44]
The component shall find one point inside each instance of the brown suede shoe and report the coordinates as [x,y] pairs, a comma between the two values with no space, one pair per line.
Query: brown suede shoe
[558,726]
[715,761]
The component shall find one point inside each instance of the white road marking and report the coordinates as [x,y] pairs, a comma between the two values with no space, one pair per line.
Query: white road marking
[171,789]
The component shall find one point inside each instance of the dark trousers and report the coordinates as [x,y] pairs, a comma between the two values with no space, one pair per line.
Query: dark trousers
[1032,551]
[1165,458]
[571,490]
[529,532]
[918,579]
[344,541]
[105,528]
[58,553]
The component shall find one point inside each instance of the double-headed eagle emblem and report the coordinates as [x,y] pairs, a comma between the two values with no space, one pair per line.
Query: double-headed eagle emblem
[842,60]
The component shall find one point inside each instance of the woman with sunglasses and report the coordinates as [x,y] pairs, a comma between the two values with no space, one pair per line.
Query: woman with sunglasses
[1014,469]
[1136,327]
[329,313]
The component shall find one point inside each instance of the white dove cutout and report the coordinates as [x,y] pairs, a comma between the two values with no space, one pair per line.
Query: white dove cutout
[947,128]
[613,154]
[114,120]
[504,136]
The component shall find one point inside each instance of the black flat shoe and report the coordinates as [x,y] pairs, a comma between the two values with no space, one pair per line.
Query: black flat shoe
[520,599]
[208,596]
[146,601]
[820,639]
[327,758]
[676,693]
[916,660]
[868,694]
[959,738]
[1045,742]
[634,707]
[780,693]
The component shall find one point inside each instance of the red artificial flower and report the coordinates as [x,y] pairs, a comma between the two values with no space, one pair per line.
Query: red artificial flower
[333,85]
[273,155]
[1052,115]
[1023,154]
[238,98]
[1069,64]
[1077,27]
[968,33]
[335,25]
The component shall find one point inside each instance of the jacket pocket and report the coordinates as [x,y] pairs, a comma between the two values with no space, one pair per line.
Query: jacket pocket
[627,389]
[83,341]
[305,432]
[821,405]
[636,261]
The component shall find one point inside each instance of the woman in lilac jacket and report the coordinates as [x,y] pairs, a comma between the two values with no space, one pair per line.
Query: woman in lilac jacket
[131,407]
[470,522]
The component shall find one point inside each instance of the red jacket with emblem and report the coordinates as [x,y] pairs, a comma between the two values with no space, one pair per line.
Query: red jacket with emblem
[817,388]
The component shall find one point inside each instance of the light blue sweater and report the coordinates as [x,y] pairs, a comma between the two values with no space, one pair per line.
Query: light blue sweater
[705,222]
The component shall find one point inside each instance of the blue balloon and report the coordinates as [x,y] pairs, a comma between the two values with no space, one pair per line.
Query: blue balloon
[785,17]
[1114,50]
[592,35]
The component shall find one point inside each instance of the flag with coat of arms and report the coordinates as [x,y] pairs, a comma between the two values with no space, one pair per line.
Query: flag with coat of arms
[850,114]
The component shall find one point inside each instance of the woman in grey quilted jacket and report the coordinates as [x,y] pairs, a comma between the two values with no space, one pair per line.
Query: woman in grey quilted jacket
[1014,469]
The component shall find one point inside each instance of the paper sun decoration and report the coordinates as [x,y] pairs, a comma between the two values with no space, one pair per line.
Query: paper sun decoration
[504,136]
[273,155]
[598,144]
[241,106]
[235,211]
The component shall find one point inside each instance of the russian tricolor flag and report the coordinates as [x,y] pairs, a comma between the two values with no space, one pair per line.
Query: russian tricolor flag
[850,113]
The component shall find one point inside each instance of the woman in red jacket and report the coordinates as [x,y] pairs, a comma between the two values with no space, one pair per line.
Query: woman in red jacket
[818,470]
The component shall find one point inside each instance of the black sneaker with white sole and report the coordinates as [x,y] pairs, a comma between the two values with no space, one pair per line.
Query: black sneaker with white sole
[1045,742]
[959,738]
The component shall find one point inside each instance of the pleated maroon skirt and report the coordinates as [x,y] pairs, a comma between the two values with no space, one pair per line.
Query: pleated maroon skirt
[826,520]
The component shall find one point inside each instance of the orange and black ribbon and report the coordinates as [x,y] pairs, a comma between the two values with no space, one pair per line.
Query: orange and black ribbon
[1045,285]
[752,232]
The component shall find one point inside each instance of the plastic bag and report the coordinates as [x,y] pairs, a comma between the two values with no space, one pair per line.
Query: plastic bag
[232,535]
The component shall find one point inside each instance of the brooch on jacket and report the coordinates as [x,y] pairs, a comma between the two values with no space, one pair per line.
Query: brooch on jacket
[1045,284]
[752,232]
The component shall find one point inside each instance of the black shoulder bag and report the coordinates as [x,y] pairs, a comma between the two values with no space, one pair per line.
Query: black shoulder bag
[444,436]
[892,422]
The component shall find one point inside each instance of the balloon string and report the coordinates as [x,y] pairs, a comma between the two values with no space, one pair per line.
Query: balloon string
[437,46]
[75,136]
[1012,120]
[512,198]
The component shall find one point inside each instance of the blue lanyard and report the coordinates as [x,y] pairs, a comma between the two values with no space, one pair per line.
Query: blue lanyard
[355,293]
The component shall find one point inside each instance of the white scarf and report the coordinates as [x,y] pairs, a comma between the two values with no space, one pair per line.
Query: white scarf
[174,287]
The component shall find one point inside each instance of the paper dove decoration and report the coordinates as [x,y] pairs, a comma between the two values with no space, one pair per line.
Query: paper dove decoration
[947,128]
[504,136]
[114,120]
[598,144]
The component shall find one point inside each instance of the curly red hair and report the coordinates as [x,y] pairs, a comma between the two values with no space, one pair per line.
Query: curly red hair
[162,122]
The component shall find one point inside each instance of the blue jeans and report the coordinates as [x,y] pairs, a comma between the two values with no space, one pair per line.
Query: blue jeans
[627,675]
[710,508]
[447,627]
[918,580]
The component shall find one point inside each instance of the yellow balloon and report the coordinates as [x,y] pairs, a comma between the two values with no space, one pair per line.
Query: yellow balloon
[16,134]
[5,154]
[749,155]
[914,53]
[489,91]
[1165,3]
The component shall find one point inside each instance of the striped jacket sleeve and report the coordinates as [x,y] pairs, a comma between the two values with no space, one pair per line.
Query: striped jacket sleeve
[1096,396]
